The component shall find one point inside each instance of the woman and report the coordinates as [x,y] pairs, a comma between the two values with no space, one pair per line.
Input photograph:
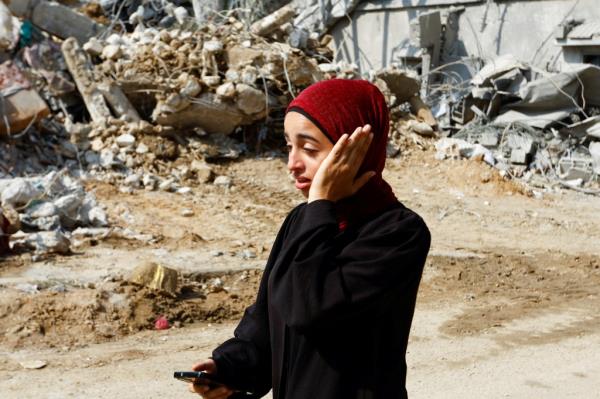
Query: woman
[335,304]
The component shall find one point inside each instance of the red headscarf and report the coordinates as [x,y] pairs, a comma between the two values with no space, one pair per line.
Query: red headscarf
[339,106]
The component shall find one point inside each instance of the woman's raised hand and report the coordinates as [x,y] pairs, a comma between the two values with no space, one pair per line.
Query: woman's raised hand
[336,177]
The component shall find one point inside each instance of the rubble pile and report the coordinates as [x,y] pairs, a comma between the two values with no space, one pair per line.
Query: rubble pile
[183,92]
[412,124]
[148,100]
[543,129]
[46,209]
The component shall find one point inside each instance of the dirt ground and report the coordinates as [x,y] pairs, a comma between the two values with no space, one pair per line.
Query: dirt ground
[508,306]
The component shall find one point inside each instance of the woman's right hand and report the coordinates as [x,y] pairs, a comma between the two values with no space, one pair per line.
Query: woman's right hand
[205,391]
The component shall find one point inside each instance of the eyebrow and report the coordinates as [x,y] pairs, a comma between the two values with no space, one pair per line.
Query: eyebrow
[304,136]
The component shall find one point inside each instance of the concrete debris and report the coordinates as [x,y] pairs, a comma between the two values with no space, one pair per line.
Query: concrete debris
[533,124]
[43,242]
[223,181]
[21,105]
[56,19]
[274,21]
[50,203]
[155,276]
[319,15]
[595,153]
[451,148]
[7,23]
[202,170]
[250,100]
[18,192]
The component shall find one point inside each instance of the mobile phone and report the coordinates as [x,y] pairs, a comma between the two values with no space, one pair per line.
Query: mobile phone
[199,378]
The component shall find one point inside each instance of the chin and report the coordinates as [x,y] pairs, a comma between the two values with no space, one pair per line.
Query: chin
[305,192]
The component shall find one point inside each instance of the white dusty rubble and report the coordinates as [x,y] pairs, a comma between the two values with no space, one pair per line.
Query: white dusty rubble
[539,127]
[47,206]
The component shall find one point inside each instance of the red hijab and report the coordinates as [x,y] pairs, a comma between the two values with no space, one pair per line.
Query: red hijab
[339,106]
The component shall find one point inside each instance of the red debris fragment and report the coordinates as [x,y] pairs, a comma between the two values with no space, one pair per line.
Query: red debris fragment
[161,323]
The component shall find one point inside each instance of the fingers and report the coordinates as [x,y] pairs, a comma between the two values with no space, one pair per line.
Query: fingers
[199,389]
[359,147]
[339,145]
[207,365]
[207,393]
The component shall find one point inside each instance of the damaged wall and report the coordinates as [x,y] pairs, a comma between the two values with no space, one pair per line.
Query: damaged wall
[374,33]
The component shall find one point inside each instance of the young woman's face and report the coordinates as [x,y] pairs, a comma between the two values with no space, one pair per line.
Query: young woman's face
[307,147]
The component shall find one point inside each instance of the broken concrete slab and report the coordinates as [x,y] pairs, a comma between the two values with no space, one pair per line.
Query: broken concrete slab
[272,22]
[588,126]
[239,56]
[56,19]
[553,97]
[495,68]
[155,276]
[119,102]
[207,113]
[404,87]
[82,71]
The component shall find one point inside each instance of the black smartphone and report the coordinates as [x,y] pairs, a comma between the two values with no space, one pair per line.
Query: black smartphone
[198,378]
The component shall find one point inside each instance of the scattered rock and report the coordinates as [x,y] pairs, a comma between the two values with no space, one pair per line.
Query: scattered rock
[93,46]
[18,192]
[187,212]
[112,52]
[249,99]
[202,170]
[248,254]
[226,90]
[155,276]
[223,181]
[44,242]
[125,140]
[33,364]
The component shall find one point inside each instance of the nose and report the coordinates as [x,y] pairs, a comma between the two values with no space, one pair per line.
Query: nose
[294,163]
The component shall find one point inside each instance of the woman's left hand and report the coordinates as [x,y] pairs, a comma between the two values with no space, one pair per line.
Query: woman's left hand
[336,177]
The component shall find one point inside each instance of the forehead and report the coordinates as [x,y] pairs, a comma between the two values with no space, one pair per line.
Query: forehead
[298,126]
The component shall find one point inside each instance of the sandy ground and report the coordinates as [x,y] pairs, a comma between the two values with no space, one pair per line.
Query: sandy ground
[508,307]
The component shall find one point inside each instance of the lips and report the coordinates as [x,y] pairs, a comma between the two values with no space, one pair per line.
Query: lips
[302,183]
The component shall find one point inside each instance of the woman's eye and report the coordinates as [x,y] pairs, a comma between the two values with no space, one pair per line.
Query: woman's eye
[310,150]
[288,148]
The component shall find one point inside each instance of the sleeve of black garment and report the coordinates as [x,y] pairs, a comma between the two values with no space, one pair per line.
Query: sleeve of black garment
[324,284]
[245,360]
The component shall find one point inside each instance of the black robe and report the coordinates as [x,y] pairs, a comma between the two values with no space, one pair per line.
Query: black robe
[334,309]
